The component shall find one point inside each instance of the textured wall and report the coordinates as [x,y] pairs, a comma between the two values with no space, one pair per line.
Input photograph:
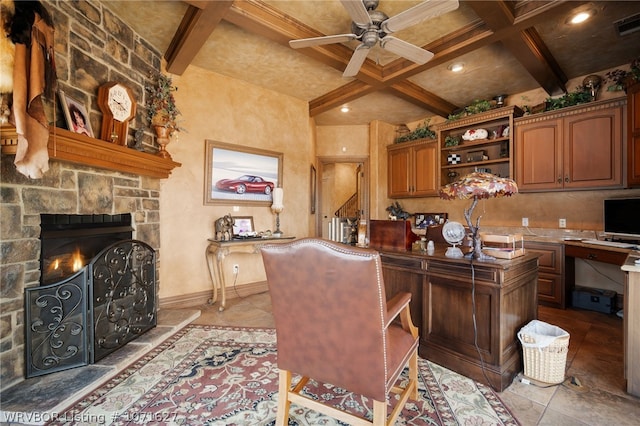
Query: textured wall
[226,110]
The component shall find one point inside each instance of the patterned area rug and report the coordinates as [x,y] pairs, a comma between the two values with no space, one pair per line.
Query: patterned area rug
[207,375]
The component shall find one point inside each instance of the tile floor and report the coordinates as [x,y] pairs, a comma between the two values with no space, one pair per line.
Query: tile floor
[595,358]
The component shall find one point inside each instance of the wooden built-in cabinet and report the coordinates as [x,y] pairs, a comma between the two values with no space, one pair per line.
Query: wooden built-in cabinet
[495,151]
[412,169]
[633,135]
[552,290]
[573,148]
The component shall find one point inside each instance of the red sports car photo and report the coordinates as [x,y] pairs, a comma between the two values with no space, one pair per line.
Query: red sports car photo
[245,183]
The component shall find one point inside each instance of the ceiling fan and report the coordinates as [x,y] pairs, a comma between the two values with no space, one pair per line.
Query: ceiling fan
[371,26]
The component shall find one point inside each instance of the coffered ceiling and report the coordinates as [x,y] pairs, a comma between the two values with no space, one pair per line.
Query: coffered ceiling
[507,47]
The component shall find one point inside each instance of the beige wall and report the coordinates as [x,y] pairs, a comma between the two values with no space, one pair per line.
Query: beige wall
[227,110]
[342,141]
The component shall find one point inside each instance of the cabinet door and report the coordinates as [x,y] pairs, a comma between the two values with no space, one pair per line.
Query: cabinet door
[539,155]
[633,148]
[593,149]
[425,182]
[399,179]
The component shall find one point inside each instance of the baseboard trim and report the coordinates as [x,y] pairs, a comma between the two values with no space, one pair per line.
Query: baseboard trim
[202,297]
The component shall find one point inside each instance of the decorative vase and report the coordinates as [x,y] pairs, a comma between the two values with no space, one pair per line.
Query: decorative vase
[163,136]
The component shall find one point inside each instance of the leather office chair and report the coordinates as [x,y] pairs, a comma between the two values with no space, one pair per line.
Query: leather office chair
[334,325]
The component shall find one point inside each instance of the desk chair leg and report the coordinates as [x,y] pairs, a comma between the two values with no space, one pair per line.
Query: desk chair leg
[284,384]
[379,413]
[413,375]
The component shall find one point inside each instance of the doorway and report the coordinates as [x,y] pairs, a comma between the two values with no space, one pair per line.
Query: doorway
[340,179]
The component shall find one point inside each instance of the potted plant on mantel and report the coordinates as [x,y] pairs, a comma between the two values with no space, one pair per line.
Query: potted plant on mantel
[162,111]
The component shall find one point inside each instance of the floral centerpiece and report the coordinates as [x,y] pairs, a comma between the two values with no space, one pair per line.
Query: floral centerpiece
[161,105]
[621,79]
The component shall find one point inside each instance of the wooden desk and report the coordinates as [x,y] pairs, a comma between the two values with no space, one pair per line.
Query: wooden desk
[443,294]
[578,250]
[631,318]
[217,251]
[631,322]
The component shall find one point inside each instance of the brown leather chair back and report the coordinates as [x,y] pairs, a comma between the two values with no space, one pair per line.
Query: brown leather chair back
[330,313]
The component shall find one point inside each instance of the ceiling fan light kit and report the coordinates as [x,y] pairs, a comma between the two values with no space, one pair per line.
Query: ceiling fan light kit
[371,27]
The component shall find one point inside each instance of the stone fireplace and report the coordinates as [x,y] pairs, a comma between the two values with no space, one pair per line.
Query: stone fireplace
[70,189]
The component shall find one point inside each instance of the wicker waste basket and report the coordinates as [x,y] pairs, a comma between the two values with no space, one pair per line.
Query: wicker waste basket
[544,348]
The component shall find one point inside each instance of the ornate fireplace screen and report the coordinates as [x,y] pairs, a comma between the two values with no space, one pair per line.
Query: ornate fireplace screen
[85,317]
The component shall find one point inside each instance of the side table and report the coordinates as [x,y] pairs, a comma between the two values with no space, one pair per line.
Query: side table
[216,253]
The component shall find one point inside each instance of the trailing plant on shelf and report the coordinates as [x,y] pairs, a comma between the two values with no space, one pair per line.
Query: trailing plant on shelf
[581,95]
[621,79]
[423,131]
[476,107]
[451,141]
[161,104]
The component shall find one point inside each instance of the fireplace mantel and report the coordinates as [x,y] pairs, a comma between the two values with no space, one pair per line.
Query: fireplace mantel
[65,145]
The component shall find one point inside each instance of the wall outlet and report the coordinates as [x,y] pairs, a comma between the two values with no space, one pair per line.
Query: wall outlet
[562,223]
[525,221]
[236,269]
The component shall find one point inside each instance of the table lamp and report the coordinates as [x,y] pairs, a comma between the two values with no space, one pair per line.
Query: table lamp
[277,207]
[477,185]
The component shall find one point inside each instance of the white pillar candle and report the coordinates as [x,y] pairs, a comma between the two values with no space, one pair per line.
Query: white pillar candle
[278,195]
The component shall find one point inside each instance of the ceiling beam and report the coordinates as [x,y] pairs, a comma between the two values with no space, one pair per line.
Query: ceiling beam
[198,22]
[527,46]
[350,91]
[416,95]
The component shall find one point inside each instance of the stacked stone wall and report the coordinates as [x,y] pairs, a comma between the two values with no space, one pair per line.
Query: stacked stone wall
[93,46]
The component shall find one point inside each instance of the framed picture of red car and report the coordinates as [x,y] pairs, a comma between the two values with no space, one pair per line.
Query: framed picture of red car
[240,175]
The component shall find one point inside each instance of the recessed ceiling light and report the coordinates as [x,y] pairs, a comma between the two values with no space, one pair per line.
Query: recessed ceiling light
[581,15]
[579,18]
[344,109]
[457,67]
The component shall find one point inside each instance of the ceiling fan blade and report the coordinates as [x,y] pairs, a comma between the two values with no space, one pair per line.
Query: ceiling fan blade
[357,59]
[406,50]
[417,14]
[357,11]
[319,41]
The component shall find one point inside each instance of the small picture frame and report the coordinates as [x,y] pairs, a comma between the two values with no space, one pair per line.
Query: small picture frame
[76,115]
[243,226]
[423,220]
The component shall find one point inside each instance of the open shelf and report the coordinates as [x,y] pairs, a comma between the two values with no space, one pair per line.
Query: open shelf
[493,154]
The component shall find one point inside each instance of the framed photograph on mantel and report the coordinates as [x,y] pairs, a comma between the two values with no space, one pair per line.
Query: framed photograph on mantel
[76,115]
[240,175]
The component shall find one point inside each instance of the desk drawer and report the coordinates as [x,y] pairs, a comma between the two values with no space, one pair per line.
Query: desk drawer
[404,262]
[599,255]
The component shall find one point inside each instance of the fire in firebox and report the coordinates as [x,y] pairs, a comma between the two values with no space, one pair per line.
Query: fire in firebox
[69,242]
